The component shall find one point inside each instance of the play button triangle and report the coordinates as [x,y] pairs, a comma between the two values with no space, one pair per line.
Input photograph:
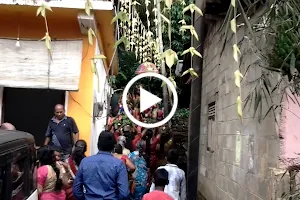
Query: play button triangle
[147,99]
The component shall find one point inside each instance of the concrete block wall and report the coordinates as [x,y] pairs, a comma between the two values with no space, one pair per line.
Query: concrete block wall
[240,166]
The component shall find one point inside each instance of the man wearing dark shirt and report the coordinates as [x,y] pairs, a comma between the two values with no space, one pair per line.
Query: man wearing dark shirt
[102,176]
[62,131]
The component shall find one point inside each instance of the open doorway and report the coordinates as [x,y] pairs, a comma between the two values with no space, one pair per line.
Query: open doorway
[30,110]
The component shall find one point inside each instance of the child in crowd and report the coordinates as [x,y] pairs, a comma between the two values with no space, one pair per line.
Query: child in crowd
[161,179]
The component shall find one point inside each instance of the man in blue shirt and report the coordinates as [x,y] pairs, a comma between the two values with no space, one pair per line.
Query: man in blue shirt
[102,176]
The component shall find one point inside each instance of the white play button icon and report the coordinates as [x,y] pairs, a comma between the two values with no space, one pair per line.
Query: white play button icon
[147,99]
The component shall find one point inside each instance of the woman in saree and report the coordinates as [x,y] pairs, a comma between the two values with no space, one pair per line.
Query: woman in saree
[71,165]
[76,157]
[49,180]
[119,154]
[141,173]
[119,149]
[154,148]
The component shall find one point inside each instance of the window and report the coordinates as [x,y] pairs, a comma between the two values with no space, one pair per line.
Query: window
[32,169]
[211,126]
[18,177]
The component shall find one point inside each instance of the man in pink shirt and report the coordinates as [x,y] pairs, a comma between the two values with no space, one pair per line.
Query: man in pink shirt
[161,179]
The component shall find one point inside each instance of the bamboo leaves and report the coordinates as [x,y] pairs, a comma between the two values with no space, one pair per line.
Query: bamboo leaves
[182,22]
[123,40]
[233,3]
[233,25]
[47,40]
[192,30]
[93,65]
[42,10]
[192,51]
[91,35]
[192,7]
[88,7]
[191,71]
[239,106]
[236,53]
[170,57]
[237,78]
[99,57]
[165,19]
[93,62]
[168,3]
[122,16]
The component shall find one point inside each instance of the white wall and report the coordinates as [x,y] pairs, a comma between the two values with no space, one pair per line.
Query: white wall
[100,95]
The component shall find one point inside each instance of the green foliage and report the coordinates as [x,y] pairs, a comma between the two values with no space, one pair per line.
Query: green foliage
[284,20]
[179,39]
[127,66]
[182,113]
[124,121]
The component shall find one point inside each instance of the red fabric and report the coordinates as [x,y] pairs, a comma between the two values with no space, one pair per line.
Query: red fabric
[111,120]
[136,140]
[116,134]
[160,114]
[154,195]
[153,145]
[124,158]
[153,156]
[72,165]
[69,194]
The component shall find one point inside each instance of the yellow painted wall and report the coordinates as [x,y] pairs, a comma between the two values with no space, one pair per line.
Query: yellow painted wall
[80,105]
[63,24]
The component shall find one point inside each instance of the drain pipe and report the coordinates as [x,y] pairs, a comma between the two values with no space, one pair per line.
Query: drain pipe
[195,106]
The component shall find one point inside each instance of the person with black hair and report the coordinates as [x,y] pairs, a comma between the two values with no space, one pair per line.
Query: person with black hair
[49,181]
[138,137]
[62,131]
[129,137]
[161,179]
[76,157]
[72,163]
[153,150]
[119,154]
[102,176]
[177,182]
[141,173]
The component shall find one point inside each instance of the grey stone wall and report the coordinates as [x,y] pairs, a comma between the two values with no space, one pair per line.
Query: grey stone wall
[179,130]
[240,165]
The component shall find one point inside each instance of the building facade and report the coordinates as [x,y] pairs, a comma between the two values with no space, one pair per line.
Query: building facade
[243,160]
[31,84]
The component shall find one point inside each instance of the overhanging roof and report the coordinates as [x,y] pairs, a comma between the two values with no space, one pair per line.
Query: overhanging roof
[65,17]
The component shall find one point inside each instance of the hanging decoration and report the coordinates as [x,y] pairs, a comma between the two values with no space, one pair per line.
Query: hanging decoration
[146,67]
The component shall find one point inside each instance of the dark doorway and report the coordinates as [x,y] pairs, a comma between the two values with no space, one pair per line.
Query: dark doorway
[30,110]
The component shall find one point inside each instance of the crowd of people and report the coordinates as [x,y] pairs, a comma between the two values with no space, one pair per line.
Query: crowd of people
[132,163]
